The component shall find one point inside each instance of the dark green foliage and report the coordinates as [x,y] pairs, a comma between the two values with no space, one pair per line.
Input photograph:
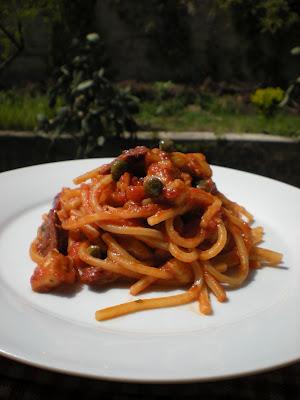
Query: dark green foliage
[93,108]
[266,16]
[267,100]
[164,24]
[64,17]
[266,30]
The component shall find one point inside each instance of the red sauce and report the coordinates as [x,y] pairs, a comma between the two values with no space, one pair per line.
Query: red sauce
[73,251]
[135,193]
[96,276]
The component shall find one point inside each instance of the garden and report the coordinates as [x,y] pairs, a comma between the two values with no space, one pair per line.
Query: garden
[165,106]
[77,84]
[209,102]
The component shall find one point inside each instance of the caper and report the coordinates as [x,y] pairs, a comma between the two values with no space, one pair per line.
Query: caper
[94,251]
[201,184]
[118,168]
[167,145]
[153,186]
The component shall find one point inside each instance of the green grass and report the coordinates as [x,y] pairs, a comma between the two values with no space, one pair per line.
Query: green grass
[18,111]
[219,120]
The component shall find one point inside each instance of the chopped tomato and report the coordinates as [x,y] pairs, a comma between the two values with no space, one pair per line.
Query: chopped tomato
[73,251]
[135,181]
[76,235]
[135,193]
[117,199]
[124,181]
[154,156]
[164,170]
[177,192]
[198,165]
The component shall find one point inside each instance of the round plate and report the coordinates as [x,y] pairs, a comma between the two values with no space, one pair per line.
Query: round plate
[256,329]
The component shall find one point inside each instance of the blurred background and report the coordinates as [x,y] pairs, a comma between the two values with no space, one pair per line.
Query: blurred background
[88,78]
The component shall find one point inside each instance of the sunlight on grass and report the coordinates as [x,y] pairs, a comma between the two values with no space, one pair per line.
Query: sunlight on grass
[19,112]
[219,120]
[220,115]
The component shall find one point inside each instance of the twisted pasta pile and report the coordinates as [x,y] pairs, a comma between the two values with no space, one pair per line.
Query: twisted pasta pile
[151,217]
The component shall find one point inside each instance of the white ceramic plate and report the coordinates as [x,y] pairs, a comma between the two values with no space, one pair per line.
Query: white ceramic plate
[257,329]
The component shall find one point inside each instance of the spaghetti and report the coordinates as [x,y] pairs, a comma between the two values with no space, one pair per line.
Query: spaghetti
[149,218]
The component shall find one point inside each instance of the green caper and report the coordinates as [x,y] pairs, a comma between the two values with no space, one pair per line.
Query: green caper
[153,186]
[118,168]
[167,145]
[94,251]
[201,184]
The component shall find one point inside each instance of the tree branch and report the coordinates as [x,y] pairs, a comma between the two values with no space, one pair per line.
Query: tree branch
[12,38]
[9,60]
[20,30]
[19,45]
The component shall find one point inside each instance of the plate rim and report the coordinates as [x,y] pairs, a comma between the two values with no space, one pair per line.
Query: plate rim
[162,381]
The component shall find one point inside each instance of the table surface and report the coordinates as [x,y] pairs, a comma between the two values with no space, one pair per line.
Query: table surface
[20,381]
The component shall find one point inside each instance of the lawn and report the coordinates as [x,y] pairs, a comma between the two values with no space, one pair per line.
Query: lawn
[209,113]
[19,111]
[218,119]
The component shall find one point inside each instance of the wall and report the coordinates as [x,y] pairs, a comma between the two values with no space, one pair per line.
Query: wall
[33,63]
[215,49]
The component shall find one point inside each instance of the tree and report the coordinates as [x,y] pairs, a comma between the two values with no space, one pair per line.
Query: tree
[92,107]
[266,16]
[74,15]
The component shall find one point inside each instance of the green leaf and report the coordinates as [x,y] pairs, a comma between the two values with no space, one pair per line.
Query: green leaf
[100,141]
[41,118]
[101,72]
[295,51]
[86,125]
[85,85]
[64,70]
[93,38]
[79,60]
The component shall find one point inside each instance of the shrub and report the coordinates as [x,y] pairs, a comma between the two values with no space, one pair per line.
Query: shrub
[162,89]
[170,107]
[92,108]
[266,16]
[267,100]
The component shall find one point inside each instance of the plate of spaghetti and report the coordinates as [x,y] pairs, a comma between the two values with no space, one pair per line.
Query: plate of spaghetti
[151,267]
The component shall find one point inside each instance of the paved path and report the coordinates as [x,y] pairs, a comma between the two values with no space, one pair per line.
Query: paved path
[189,136]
